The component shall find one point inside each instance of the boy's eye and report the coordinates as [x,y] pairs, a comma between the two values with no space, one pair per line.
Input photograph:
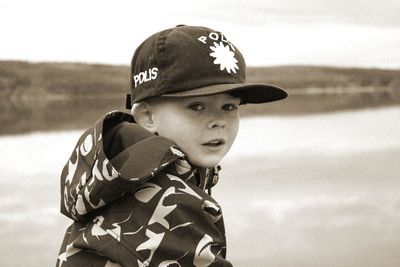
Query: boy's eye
[196,107]
[229,107]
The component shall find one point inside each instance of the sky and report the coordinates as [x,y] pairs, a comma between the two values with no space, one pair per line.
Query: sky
[357,33]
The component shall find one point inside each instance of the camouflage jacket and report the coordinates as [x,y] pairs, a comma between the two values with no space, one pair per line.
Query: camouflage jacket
[136,201]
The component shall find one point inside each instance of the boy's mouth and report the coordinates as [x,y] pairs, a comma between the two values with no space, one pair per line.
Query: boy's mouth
[214,143]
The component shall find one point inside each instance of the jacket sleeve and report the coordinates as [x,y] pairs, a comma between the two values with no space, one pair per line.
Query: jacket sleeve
[110,160]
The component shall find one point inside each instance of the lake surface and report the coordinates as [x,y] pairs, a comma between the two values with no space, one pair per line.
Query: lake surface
[312,190]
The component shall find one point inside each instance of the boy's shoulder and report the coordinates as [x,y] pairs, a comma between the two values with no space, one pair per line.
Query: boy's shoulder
[114,150]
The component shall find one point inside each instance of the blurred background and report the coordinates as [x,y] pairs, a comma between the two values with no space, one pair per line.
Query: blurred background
[311,181]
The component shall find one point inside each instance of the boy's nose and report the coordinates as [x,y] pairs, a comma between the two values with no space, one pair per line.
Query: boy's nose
[218,123]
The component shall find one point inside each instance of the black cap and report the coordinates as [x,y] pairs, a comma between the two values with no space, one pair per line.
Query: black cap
[193,61]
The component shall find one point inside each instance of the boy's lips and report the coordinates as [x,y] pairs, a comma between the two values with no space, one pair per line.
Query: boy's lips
[214,144]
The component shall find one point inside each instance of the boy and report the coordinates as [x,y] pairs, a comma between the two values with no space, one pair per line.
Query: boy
[139,187]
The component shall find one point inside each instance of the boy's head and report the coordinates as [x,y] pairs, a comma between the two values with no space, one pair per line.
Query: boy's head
[204,127]
[187,84]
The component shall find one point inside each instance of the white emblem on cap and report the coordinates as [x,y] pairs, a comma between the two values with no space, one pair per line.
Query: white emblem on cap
[224,57]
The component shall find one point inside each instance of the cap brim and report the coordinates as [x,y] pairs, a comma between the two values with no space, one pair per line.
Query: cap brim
[249,93]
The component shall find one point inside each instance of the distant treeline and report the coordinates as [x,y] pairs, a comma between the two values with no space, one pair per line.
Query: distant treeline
[61,96]
[25,80]
[325,77]
[48,80]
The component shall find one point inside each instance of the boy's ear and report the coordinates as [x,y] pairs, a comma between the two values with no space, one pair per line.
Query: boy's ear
[143,115]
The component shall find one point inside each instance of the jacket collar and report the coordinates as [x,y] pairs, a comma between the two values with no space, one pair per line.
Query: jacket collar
[204,178]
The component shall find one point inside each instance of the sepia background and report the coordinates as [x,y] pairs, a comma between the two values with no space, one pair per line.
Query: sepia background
[311,181]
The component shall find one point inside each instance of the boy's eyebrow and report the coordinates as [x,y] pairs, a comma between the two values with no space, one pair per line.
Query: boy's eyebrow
[234,98]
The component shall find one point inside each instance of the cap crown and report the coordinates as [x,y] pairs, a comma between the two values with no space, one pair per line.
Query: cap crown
[184,58]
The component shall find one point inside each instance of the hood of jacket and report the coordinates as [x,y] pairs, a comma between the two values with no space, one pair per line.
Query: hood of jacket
[114,157]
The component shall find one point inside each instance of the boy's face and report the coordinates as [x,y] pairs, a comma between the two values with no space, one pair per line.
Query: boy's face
[203,127]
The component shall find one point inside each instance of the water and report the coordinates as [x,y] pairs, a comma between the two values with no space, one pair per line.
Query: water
[313,190]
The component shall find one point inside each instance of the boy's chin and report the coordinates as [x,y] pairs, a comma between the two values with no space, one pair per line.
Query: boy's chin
[205,163]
